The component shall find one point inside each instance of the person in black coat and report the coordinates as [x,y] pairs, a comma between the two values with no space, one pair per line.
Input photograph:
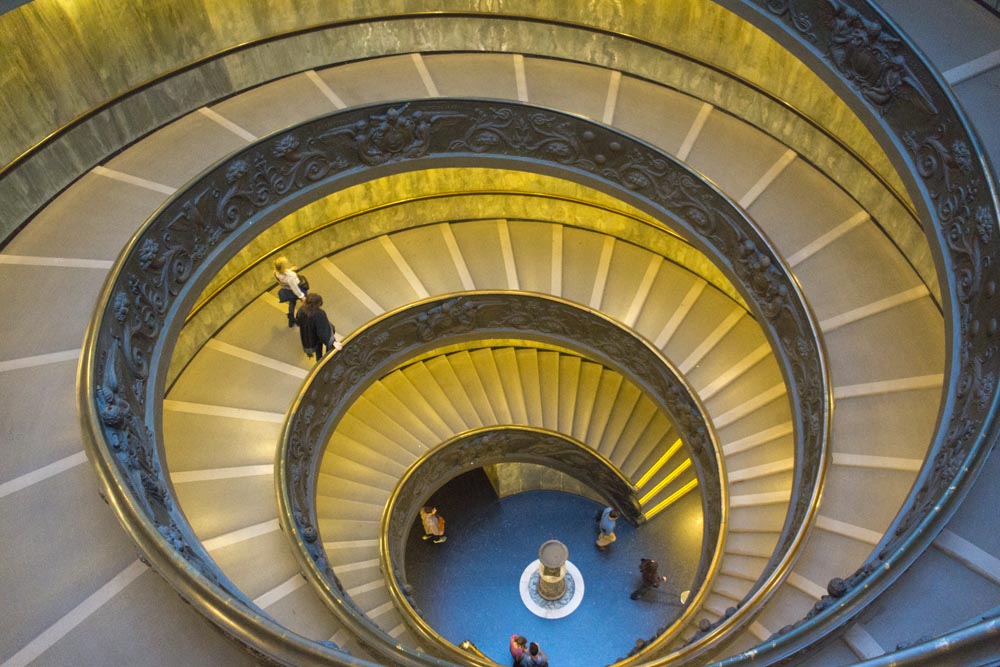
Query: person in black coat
[315,329]
[537,656]
[651,578]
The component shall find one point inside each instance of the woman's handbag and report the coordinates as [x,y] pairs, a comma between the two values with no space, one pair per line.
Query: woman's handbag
[303,283]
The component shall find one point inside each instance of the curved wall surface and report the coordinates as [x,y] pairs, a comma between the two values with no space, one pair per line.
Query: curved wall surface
[89,88]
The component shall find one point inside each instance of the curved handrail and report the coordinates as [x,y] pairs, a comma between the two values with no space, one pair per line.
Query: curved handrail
[474,449]
[136,89]
[257,261]
[439,322]
[159,275]
[916,110]
[978,639]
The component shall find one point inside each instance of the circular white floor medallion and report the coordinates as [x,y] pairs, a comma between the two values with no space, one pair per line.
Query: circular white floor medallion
[538,605]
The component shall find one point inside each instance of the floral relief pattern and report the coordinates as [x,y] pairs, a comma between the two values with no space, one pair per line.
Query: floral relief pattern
[170,262]
[868,56]
[963,216]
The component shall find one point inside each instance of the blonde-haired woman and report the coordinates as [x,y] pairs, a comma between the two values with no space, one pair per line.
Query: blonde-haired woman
[292,289]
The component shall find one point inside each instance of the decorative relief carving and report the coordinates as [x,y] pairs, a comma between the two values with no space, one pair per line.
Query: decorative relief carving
[374,351]
[799,18]
[169,260]
[510,131]
[867,55]
[962,221]
[393,135]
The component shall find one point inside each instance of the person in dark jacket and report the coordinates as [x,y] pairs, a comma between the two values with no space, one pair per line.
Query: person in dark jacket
[651,578]
[538,657]
[315,330]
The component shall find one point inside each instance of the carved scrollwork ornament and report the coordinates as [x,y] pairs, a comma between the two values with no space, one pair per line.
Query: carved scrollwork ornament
[170,260]
[910,104]
[868,55]
[798,17]
[378,349]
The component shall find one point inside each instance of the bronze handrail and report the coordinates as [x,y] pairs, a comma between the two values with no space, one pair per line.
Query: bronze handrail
[138,88]
[160,275]
[961,213]
[333,387]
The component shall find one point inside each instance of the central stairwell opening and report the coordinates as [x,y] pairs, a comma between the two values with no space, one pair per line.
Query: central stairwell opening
[468,587]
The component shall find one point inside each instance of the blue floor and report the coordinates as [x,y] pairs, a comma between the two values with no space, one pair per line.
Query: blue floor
[467,587]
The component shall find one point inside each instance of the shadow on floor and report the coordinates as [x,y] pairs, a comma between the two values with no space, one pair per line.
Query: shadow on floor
[467,587]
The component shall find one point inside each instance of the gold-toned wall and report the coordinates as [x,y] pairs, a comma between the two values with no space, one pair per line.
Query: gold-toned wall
[62,58]
[416,198]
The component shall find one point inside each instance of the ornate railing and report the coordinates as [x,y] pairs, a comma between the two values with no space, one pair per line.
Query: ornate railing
[861,52]
[164,269]
[43,169]
[487,446]
[377,349]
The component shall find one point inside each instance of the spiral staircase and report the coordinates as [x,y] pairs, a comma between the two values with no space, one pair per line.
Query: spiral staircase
[846,219]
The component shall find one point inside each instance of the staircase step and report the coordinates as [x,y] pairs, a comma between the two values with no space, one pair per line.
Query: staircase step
[303,612]
[373,470]
[497,372]
[340,507]
[605,401]
[752,544]
[343,487]
[529,380]
[250,501]
[570,377]
[412,419]
[394,444]
[624,410]
[344,550]
[658,435]
[419,386]
[508,368]
[207,442]
[469,386]
[587,388]
[423,250]
[633,431]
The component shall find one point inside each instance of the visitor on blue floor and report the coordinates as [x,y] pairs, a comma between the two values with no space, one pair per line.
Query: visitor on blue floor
[433,524]
[650,577]
[518,651]
[538,657]
[606,528]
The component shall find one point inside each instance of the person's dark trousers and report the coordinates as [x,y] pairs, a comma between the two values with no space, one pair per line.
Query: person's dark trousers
[321,351]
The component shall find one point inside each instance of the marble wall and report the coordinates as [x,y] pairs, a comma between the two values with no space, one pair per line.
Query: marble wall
[113,70]
[512,478]
[387,205]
